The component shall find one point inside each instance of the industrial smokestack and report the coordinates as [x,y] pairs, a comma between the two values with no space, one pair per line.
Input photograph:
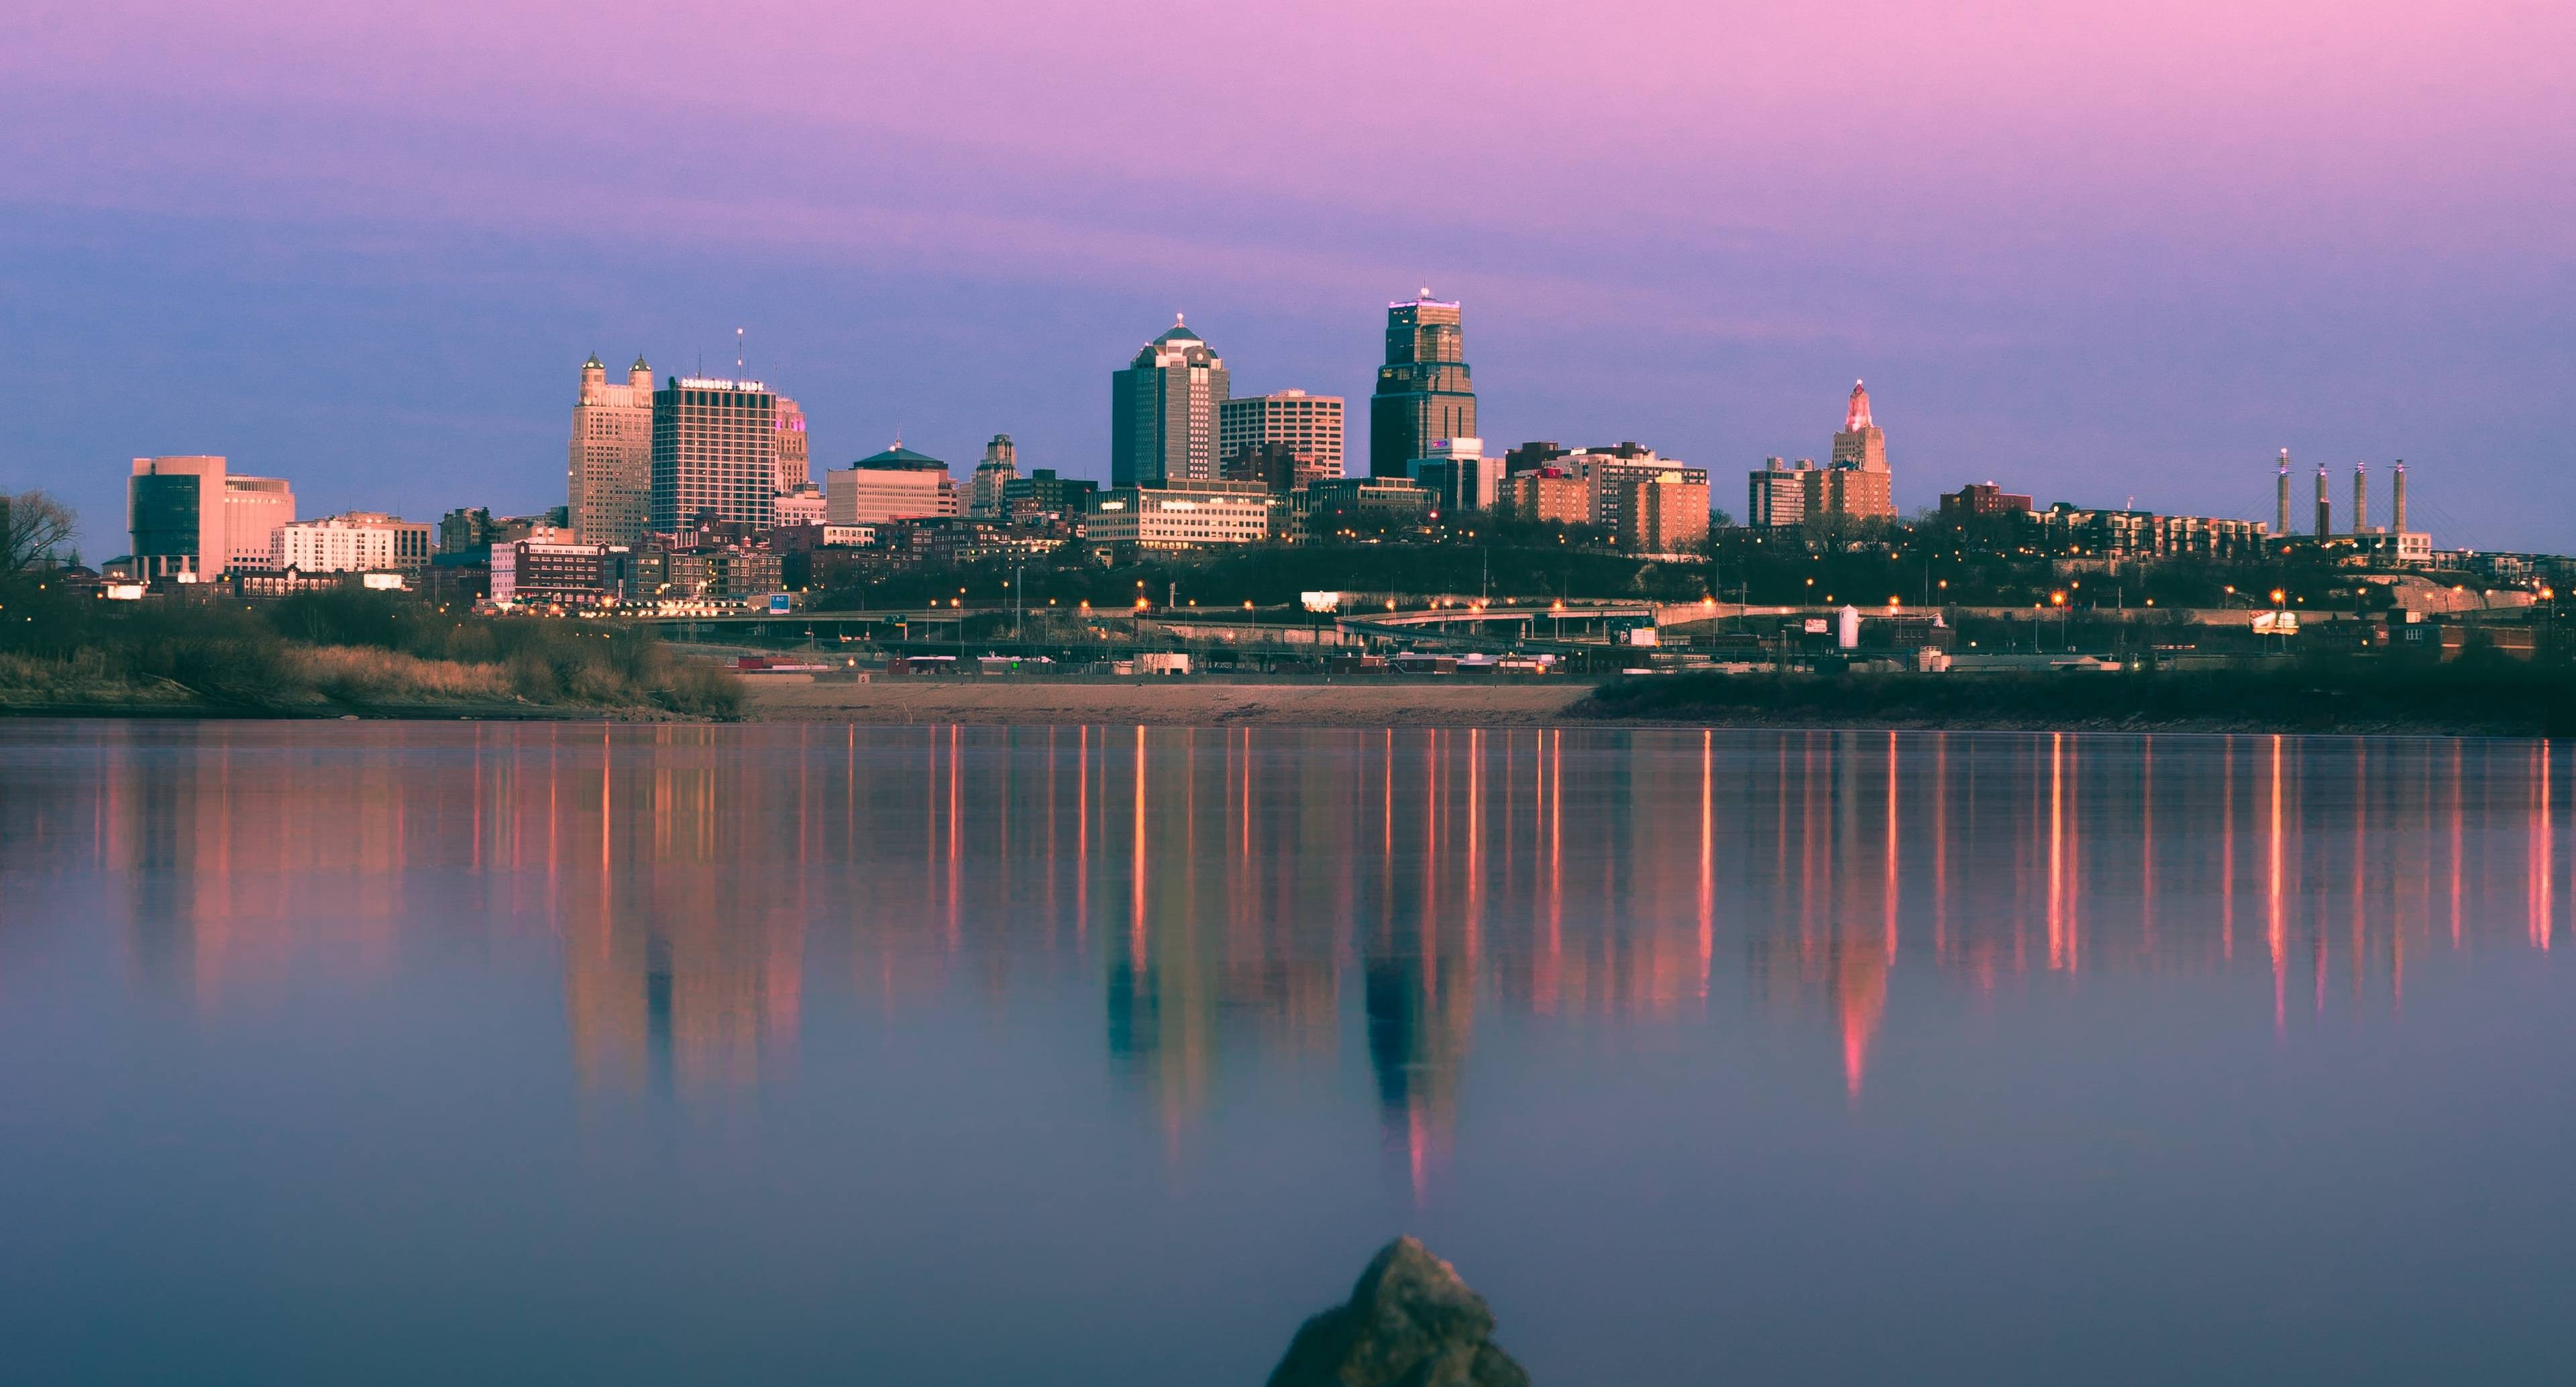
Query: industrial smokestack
[2325,508]
[2282,526]
[2361,498]
[2397,502]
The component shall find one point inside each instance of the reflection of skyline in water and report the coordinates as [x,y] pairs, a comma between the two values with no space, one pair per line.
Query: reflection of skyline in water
[1241,895]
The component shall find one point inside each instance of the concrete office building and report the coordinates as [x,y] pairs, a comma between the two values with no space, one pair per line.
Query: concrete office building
[1164,410]
[191,517]
[715,451]
[897,484]
[355,541]
[1776,493]
[1366,504]
[577,575]
[803,504]
[1309,427]
[1424,390]
[1042,493]
[993,476]
[1182,515]
[608,482]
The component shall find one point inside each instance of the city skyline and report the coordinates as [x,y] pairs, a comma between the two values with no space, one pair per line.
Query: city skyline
[2163,272]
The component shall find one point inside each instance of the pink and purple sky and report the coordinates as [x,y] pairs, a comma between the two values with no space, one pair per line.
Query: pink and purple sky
[2092,252]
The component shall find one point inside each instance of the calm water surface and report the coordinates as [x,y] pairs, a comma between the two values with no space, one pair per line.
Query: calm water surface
[413,1053]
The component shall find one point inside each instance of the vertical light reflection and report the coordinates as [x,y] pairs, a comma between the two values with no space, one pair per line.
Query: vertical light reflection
[1082,837]
[2455,844]
[2147,845]
[1554,973]
[1136,876]
[2272,929]
[2360,860]
[1475,841]
[1707,856]
[1887,886]
[2056,849]
[1940,845]
[2541,867]
[2227,850]
[956,832]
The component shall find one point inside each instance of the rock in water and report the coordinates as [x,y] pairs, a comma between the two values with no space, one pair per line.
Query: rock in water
[1410,1323]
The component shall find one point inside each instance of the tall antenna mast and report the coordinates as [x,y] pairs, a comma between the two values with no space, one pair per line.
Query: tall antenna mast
[737,353]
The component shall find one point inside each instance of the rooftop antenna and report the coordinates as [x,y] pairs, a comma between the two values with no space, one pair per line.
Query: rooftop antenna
[737,353]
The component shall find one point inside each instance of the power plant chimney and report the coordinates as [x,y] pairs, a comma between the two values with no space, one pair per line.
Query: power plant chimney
[2361,498]
[2397,521]
[2283,527]
[2325,508]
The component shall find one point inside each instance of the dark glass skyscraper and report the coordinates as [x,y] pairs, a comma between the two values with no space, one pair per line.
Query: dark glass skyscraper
[1423,393]
[1163,412]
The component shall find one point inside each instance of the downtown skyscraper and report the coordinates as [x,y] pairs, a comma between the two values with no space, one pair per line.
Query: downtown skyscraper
[1423,391]
[608,480]
[1164,410]
[715,452]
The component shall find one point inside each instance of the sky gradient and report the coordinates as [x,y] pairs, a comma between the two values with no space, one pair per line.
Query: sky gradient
[2092,256]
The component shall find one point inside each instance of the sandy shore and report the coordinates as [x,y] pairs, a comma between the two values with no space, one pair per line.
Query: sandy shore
[1356,704]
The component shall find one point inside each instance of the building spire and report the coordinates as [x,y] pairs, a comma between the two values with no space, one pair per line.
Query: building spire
[1856,418]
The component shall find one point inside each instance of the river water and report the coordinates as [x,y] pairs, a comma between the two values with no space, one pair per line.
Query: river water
[403,1052]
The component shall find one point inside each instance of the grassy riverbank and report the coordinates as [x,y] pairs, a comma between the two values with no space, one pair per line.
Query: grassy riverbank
[2491,697]
[332,654]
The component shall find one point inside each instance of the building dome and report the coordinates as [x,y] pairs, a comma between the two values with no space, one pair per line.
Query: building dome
[593,363]
[1179,332]
[639,365]
[899,459]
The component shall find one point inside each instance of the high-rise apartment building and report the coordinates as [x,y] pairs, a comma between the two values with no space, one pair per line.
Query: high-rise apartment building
[1309,426]
[715,450]
[1423,391]
[1608,468]
[1164,410]
[793,466]
[193,517]
[1548,495]
[993,476]
[609,480]
[1664,513]
[1776,494]
[1849,493]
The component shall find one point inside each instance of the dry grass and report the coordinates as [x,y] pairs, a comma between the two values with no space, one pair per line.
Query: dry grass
[356,674]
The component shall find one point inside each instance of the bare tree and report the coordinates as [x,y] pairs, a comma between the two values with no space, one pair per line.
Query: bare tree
[32,526]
